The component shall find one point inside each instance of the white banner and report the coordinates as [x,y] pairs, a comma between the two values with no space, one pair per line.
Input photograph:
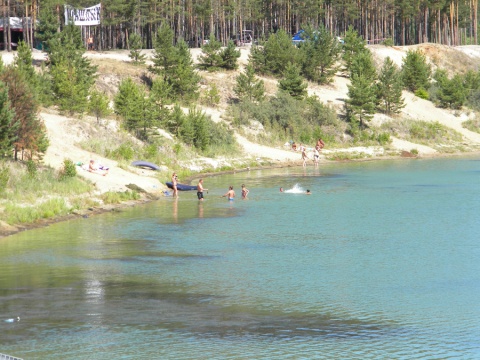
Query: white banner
[87,16]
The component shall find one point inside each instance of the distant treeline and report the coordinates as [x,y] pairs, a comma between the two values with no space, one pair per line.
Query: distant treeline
[405,22]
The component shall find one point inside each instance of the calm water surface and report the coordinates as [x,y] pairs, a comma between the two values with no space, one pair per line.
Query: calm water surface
[380,262]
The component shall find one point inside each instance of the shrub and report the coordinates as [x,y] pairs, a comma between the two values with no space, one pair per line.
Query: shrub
[388,42]
[32,169]
[68,171]
[422,93]
[124,152]
[4,177]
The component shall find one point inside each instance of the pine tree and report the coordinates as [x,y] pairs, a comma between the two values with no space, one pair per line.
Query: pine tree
[23,61]
[353,45]
[30,133]
[362,99]
[293,82]
[278,51]
[72,74]
[230,56]
[257,59]
[319,54]
[247,87]
[362,64]
[175,124]
[389,88]
[99,104]
[450,93]
[136,46]
[48,23]
[128,102]
[161,91]
[201,126]
[165,55]
[210,59]
[8,125]
[183,77]
[415,71]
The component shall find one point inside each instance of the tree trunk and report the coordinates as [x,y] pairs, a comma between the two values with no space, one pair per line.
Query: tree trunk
[9,31]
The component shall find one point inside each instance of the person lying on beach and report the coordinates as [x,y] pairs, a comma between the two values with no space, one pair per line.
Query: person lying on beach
[100,169]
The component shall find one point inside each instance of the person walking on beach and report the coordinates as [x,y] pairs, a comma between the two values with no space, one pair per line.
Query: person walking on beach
[304,156]
[230,195]
[174,184]
[200,190]
[245,191]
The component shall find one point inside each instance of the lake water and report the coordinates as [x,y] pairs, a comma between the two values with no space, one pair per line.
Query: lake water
[380,262]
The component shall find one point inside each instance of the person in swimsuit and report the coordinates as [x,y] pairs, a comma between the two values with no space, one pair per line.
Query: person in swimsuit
[230,195]
[304,157]
[174,184]
[200,190]
[245,191]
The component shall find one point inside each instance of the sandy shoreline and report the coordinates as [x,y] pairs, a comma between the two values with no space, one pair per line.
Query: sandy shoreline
[86,213]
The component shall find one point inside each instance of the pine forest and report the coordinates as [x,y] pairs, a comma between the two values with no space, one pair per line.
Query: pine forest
[402,22]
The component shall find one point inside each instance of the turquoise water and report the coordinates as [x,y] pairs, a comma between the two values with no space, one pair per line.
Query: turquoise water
[380,262]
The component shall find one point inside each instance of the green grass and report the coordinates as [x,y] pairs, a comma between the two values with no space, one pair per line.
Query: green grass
[26,188]
[118,197]
[17,214]
[472,125]
[433,134]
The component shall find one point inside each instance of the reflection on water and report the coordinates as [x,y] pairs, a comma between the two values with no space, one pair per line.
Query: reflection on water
[380,262]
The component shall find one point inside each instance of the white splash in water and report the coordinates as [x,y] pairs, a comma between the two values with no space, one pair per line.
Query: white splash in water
[297,189]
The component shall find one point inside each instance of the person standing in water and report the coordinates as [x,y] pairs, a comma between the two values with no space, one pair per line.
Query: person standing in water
[304,156]
[230,195]
[200,190]
[174,184]
[316,156]
[245,191]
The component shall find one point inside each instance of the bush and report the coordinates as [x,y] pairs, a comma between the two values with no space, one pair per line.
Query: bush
[422,93]
[388,42]
[124,152]
[68,171]
[32,169]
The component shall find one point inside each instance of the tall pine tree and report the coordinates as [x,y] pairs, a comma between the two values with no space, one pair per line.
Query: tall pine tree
[293,82]
[389,88]
[248,87]
[8,125]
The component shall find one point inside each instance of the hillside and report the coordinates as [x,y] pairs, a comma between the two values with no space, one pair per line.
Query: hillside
[65,133]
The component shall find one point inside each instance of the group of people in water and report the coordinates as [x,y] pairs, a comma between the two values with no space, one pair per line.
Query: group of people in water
[316,151]
[230,194]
